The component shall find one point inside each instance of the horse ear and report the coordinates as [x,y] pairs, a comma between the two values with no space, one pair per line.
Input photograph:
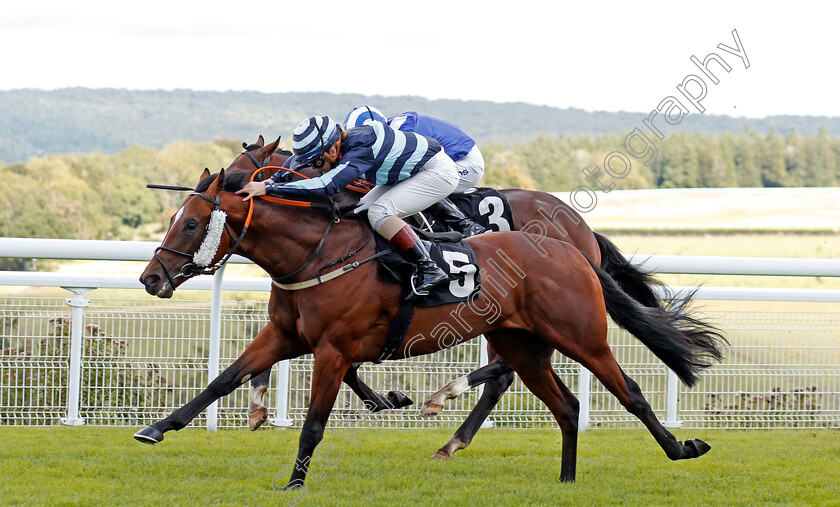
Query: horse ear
[260,141]
[217,185]
[273,146]
[205,174]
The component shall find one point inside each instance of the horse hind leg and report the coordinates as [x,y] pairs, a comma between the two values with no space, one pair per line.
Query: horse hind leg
[605,368]
[530,358]
[455,388]
[493,391]
[257,411]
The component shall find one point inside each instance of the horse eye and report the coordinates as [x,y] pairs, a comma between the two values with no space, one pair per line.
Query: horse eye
[191,225]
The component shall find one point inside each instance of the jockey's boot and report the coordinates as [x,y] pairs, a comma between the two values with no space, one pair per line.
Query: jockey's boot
[447,212]
[406,242]
[428,273]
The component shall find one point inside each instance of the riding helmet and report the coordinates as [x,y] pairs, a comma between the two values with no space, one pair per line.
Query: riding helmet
[363,114]
[312,137]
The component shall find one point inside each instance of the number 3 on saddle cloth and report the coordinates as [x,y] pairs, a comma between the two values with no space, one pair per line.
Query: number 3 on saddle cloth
[484,206]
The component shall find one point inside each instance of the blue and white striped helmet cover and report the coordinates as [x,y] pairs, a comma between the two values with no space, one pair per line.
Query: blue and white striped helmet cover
[305,141]
[360,115]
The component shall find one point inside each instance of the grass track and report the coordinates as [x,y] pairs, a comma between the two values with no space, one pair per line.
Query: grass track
[105,466]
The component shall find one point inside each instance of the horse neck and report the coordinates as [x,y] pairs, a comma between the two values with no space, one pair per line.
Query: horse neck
[281,238]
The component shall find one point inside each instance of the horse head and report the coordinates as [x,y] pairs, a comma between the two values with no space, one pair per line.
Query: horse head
[195,241]
[256,156]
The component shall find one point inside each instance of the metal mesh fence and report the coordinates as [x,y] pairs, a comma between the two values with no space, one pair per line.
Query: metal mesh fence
[143,359]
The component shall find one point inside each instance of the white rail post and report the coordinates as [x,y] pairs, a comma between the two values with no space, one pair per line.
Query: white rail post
[74,377]
[672,401]
[282,413]
[482,361]
[215,344]
[584,383]
[482,358]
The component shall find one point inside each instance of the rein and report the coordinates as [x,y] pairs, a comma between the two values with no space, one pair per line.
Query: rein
[290,202]
[318,279]
[195,268]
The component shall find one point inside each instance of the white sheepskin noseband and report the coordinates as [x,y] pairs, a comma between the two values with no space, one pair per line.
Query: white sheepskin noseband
[205,253]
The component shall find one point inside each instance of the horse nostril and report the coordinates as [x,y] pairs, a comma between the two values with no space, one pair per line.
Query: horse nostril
[150,280]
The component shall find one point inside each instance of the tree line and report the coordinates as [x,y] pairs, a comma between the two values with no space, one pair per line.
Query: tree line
[83,120]
[684,160]
[99,196]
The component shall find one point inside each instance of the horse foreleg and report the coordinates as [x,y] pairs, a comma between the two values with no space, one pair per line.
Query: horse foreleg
[327,372]
[491,371]
[374,401]
[268,347]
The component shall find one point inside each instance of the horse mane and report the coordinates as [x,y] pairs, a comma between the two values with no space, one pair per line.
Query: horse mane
[234,181]
[280,151]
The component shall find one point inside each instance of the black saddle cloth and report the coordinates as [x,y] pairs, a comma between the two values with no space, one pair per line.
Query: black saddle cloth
[485,206]
[455,258]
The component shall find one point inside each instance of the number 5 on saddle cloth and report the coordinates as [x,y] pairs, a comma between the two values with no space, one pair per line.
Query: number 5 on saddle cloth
[487,207]
[454,256]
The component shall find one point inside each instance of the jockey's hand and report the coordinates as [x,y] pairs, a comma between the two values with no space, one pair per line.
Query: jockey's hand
[253,189]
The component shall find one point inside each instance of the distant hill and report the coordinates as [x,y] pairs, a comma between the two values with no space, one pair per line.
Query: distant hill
[81,120]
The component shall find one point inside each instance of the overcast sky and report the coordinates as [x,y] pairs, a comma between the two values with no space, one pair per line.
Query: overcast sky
[607,56]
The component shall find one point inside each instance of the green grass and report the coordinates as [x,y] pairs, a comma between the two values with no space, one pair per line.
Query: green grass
[760,244]
[49,466]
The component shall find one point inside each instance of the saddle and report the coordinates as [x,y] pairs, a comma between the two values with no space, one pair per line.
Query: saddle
[454,256]
[448,250]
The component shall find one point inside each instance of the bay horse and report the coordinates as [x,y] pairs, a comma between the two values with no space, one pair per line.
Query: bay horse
[531,302]
[533,211]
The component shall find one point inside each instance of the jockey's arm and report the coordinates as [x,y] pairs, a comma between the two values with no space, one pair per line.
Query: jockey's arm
[330,183]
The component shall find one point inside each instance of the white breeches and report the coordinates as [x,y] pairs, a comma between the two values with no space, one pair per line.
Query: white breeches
[436,180]
[470,169]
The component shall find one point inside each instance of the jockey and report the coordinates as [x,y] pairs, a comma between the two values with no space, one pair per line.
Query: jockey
[456,143]
[411,172]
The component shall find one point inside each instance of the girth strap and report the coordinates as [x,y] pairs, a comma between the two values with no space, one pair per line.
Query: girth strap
[398,330]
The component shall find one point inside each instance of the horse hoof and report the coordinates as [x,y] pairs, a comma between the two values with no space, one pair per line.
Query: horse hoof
[257,418]
[699,446]
[149,435]
[293,484]
[399,400]
[431,408]
[440,454]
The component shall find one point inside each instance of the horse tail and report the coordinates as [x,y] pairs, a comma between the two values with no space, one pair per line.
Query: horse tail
[636,283]
[684,343]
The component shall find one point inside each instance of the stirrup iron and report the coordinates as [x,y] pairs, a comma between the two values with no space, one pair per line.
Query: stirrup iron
[413,284]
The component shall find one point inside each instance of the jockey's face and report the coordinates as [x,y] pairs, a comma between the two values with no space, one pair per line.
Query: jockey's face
[332,155]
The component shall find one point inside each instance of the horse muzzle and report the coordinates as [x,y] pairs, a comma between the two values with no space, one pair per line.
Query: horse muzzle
[157,286]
